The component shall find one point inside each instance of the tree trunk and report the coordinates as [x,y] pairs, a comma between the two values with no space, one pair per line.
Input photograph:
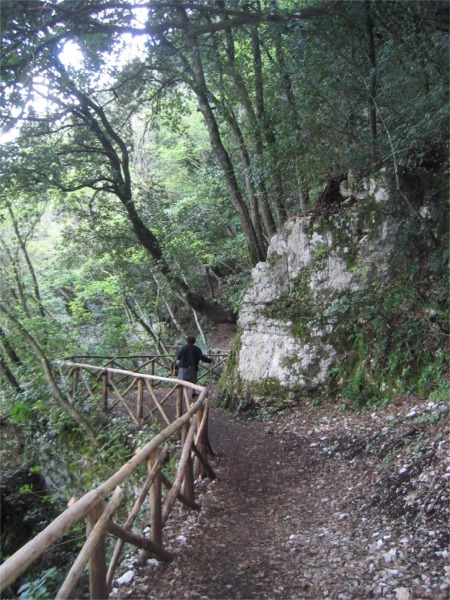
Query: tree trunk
[116,150]
[20,294]
[13,358]
[255,201]
[201,90]
[6,371]
[267,130]
[256,192]
[26,256]
[284,75]
[256,120]
[288,89]
[372,80]
[12,354]
[256,253]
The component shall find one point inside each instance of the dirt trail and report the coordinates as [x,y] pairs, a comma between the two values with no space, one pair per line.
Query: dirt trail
[301,510]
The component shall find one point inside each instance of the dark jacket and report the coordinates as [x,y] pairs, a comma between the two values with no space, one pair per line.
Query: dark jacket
[190,355]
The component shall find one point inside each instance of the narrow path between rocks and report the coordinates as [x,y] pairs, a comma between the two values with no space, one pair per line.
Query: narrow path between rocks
[286,519]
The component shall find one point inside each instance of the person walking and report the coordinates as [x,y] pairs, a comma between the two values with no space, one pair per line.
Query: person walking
[189,357]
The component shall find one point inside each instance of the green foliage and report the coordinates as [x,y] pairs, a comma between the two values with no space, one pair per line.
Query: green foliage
[20,413]
[393,334]
[267,412]
[36,469]
[44,586]
[230,385]
[170,466]
[441,393]
[190,209]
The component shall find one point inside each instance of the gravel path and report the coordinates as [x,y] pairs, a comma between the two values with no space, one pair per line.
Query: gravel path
[313,503]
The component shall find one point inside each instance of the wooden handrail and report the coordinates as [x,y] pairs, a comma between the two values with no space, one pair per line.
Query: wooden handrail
[154,361]
[192,386]
[195,443]
[19,562]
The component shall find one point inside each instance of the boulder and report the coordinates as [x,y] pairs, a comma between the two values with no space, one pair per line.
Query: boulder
[288,321]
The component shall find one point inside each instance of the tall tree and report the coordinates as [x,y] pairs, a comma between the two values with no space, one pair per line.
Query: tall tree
[93,142]
[51,24]
[289,96]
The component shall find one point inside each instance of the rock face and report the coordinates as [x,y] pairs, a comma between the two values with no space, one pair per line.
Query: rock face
[288,343]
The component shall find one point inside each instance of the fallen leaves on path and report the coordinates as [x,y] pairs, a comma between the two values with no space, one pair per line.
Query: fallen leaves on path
[314,503]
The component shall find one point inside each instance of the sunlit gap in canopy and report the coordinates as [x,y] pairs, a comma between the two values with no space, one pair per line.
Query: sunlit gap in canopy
[127,47]
[39,103]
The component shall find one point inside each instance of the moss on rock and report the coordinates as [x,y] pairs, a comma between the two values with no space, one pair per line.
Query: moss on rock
[352,304]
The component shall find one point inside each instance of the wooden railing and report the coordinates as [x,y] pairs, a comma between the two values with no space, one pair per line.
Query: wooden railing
[188,424]
[102,383]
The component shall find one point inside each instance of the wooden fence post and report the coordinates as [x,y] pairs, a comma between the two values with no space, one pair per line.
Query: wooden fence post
[140,398]
[111,375]
[97,563]
[179,401]
[155,500]
[188,481]
[205,433]
[199,469]
[133,514]
[155,497]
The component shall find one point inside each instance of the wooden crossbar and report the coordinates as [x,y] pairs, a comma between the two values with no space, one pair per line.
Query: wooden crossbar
[158,404]
[191,426]
[89,546]
[19,562]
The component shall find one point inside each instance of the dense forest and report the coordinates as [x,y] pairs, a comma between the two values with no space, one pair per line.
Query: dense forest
[151,149]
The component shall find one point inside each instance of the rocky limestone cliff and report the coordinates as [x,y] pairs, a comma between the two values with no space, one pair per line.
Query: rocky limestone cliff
[291,313]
